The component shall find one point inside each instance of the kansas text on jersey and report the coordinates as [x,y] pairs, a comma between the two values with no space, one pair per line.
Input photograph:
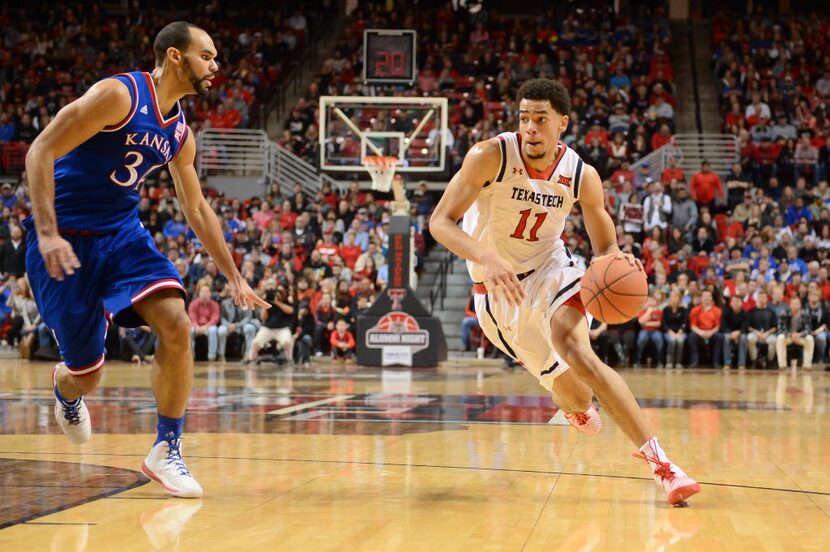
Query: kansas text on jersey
[97,184]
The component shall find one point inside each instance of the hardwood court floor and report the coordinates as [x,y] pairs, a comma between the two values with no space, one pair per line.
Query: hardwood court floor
[460,458]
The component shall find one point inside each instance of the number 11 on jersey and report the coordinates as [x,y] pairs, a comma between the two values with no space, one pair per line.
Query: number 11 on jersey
[519,232]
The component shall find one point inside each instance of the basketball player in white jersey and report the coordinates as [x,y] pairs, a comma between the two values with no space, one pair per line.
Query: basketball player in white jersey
[514,193]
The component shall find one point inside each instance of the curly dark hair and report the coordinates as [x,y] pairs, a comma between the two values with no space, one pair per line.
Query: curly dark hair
[546,89]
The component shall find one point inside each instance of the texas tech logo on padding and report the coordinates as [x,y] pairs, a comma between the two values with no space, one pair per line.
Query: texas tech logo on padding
[396,295]
[399,337]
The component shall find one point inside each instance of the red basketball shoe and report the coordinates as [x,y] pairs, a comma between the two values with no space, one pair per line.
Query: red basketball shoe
[587,422]
[675,482]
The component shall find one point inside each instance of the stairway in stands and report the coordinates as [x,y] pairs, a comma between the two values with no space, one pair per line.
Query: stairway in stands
[458,289]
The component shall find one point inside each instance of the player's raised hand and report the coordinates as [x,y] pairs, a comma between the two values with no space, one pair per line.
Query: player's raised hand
[501,280]
[58,256]
[245,297]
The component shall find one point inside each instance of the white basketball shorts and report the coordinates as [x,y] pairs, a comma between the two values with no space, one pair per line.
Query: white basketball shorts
[523,331]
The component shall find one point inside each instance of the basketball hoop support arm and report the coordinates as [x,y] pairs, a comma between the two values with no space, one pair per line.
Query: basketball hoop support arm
[356,130]
[417,131]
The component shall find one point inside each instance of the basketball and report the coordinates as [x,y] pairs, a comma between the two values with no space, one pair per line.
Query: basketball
[613,291]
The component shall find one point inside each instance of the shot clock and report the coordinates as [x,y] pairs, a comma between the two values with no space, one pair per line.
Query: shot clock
[389,56]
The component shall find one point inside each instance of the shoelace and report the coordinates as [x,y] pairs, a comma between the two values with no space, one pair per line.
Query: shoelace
[174,456]
[72,412]
[664,470]
[580,417]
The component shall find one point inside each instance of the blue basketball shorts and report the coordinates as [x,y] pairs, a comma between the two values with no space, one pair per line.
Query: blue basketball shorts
[117,270]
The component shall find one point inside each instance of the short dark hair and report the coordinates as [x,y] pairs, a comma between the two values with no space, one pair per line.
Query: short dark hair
[173,35]
[546,89]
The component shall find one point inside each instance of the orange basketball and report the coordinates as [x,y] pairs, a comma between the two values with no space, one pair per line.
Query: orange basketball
[613,291]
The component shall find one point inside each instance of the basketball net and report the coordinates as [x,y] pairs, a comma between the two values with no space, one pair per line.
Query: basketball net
[382,170]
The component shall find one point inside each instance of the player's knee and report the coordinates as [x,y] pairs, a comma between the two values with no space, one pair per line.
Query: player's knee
[86,383]
[176,330]
[582,358]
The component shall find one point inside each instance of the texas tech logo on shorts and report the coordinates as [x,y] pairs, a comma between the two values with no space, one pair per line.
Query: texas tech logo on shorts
[399,337]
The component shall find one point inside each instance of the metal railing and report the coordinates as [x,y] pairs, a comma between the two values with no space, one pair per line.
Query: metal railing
[288,169]
[238,151]
[438,292]
[658,160]
[721,150]
[244,152]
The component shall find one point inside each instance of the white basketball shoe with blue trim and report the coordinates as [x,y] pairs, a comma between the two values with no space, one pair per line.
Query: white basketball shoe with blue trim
[72,417]
[164,464]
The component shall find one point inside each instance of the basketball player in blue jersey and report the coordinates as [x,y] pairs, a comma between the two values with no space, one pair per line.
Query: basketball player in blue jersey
[89,257]
[515,192]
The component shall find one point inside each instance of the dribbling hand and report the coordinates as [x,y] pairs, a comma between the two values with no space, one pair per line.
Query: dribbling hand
[58,256]
[245,297]
[632,260]
[501,280]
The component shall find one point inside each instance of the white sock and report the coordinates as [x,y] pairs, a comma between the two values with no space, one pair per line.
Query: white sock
[652,448]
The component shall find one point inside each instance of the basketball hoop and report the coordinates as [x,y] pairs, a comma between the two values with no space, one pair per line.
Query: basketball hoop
[382,170]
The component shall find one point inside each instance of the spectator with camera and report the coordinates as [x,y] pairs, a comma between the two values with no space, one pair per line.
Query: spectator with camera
[276,323]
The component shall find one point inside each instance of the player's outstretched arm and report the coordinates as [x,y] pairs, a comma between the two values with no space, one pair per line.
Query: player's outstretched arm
[105,103]
[206,224]
[598,222]
[481,165]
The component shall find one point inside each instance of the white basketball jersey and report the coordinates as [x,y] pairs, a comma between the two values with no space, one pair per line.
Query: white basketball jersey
[521,214]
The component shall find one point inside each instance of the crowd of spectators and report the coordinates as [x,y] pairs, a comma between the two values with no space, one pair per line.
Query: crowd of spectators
[318,261]
[760,234]
[774,84]
[736,262]
[739,261]
[616,68]
[50,57]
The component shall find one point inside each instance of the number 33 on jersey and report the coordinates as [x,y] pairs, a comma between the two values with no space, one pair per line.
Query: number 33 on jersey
[97,184]
[521,214]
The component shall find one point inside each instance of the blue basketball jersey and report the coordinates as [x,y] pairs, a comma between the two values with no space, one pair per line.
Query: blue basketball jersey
[97,184]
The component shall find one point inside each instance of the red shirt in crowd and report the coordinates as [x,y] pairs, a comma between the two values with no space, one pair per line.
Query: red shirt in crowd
[656,315]
[676,173]
[287,220]
[660,140]
[734,230]
[765,154]
[706,186]
[349,254]
[705,319]
[329,249]
[203,313]
[345,339]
